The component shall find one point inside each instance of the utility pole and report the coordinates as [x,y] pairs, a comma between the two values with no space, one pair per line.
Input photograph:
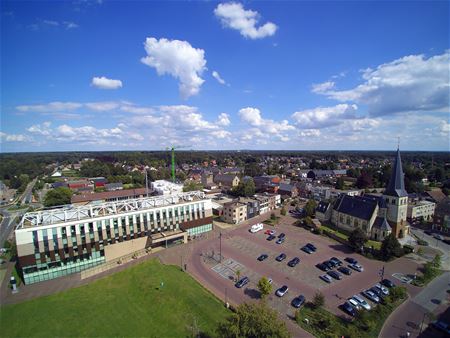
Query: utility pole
[146,182]
[220,247]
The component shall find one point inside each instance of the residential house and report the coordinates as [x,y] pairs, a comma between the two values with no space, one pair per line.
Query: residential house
[114,186]
[442,215]
[421,210]
[234,212]
[226,181]
[323,211]
[288,190]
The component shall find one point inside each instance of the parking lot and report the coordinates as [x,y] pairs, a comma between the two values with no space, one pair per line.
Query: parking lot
[244,247]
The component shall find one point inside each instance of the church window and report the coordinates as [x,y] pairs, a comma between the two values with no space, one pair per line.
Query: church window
[393,201]
[348,220]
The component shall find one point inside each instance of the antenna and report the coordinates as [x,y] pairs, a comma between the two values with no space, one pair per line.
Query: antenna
[398,142]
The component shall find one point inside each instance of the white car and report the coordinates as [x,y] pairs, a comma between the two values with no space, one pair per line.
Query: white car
[353,302]
[356,267]
[270,280]
[382,288]
[282,291]
[326,278]
[362,302]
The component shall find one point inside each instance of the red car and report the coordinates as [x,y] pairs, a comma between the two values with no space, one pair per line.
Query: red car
[269,232]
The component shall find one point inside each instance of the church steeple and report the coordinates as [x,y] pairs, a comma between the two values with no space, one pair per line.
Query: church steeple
[396,186]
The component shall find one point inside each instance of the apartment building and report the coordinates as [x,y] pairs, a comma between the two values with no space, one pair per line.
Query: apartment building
[421,210]
[234,212]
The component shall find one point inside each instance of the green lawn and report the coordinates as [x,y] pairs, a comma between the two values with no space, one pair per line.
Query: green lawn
[128,303]
[369,244]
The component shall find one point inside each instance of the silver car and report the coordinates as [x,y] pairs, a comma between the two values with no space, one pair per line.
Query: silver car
[362,302]
[326,278]
[372,296]
[353,302]
[356,267]
[382,288]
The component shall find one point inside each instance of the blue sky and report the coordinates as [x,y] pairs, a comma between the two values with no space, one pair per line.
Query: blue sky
[101,75]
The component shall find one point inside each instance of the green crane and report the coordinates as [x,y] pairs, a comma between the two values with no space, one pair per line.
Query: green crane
[173,159]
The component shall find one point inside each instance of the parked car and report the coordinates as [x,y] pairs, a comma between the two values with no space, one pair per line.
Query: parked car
[307,249]
[256,227]
[446,241]
[353,302]
[345,271]
[282,235]
[371,295]
[441,326]
[293,262]
[270,280]
[262,257]
[328,264]
[281,257]
[322,267]
[382,288]
[356,267]
[439,237]
[311,246]
[326,278]
[271,238]
[282,291]
[351,260]
[362,302]
[335,274]
[269,232]
[336,261]
[242,282]
[348,309]
[428,232]
[280,240]
[388,283]
[298,301]
[378,293]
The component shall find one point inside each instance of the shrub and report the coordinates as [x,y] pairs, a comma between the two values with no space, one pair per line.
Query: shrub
[318,300]
[397,292]
[422,242]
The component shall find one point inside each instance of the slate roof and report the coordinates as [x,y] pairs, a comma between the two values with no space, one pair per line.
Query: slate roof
[379,199]
[382,224]
[396,186]
[322,207]
[227,179]
[287,187]
[356,206]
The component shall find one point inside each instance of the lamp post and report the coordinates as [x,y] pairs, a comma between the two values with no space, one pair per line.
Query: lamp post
[220,247]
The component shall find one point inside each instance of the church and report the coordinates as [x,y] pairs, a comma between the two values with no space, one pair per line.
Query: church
[377,215]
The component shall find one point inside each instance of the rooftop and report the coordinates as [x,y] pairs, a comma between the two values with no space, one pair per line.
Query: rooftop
[69,213]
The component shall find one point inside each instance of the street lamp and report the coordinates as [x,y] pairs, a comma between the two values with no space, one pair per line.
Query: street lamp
[220,247]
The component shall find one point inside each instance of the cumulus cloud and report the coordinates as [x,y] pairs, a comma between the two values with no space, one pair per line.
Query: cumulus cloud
[412,83]
[223,120]
[322,87]
[321,117]
[234,16]
[41,129]
[179,59]
[4,137]
[216,75]
[105,83]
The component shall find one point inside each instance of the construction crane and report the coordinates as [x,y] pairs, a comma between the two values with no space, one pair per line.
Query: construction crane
[173,158]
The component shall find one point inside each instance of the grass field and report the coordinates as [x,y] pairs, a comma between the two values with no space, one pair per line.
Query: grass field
[128,303]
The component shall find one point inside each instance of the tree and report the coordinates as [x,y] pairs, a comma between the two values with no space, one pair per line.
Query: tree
[264,287]
[437,261]
[192,186]
[58,196]
[310,208]
[253,320]
[245,188]
[238,274]
[390,247]
[318,300]
[357,239]
[340,183]
[364,180]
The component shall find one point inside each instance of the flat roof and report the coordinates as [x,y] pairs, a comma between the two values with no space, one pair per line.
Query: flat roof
[69,213]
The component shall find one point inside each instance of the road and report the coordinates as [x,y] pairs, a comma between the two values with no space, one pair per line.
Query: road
[27,195]
[437,244]
[7,225]
[408,317]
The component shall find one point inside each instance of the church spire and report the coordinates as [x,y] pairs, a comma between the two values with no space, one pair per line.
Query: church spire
[396,186]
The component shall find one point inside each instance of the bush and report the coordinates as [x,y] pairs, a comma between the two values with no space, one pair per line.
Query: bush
[317,231]
[422,242]
[408,248]
[318,300]
[283,211]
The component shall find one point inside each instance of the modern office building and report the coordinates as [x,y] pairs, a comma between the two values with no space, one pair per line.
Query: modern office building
[57,242]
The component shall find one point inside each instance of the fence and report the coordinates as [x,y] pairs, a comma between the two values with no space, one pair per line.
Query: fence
[114,263]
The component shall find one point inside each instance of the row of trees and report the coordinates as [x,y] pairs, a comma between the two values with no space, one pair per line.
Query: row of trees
[390,247]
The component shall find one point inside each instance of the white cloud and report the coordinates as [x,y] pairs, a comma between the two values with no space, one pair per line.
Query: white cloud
[409,84]
[223,120]
[322,87]
[52,106]
[310,133]
[179,59]
[216,75]
[102,106]
[4,137]
[220,134]
[324,116]
[43,23]
[41,129]
[130,108]
[70,24]
[234,16]
[50,22]
[105,83]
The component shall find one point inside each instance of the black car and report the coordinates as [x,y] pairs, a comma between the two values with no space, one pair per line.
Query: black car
[243,281]
[335,274]
[348,309]
[298,301]
[387,283]
[322,267]
[293,262]
[262,257]
[328,264]
[351,260]
[281,257]
[345,271]
[336,261]
[311,246]
[307,249]
[271,238]
[428,232]
[280,240]
[282,235]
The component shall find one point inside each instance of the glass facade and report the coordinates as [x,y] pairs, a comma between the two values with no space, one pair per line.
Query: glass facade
[199,230]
